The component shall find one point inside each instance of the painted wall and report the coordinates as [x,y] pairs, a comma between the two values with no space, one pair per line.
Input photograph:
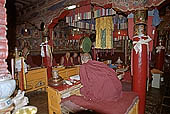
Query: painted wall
[11,24]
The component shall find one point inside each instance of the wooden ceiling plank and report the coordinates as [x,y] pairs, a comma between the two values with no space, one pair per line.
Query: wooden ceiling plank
[24,2]
[20,5]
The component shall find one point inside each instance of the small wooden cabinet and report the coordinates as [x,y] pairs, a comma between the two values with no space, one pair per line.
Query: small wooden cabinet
[36,79]
[54,99]
[55,96]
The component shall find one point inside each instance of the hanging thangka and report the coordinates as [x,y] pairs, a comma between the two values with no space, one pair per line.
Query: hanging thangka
[104,32]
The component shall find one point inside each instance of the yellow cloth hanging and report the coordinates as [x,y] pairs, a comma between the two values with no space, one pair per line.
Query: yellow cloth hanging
[104,32]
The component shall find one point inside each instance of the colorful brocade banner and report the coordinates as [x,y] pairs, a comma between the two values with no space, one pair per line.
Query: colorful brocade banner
[104,33]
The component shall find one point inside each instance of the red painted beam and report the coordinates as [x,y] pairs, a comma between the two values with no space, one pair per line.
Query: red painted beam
[55,20]
[108,6]
[84,3]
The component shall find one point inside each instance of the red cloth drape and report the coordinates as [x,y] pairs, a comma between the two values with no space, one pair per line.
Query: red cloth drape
[130,27]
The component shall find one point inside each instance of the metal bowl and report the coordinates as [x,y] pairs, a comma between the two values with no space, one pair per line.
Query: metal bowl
[55,81]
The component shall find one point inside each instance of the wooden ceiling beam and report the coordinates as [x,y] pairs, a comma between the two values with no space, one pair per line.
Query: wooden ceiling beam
[19,5]
[24,2]
[164,4]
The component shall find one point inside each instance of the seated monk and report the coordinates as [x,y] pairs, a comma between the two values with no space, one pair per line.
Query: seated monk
[66,60]
[26,54]
[76,59]
[100,83]
[102,90]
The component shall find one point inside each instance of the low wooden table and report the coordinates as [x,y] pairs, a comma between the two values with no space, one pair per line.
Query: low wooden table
[35,79]
[65,73]
[55,94]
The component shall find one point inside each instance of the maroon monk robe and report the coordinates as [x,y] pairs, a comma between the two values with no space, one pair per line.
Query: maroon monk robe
[29,61]
[100,83]
[75,61]
[67,62]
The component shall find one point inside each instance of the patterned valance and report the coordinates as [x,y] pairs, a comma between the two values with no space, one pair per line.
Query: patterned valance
[81,17]
[100,11]
[129,5]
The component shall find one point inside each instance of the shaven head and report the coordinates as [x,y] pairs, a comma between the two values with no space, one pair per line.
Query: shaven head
[85,58]
[75,54]
[67,54]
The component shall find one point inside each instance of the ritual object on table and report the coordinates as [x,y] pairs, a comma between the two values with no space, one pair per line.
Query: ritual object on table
[119,62]
[156,71]
[113,66]
[56,80]
[109,61]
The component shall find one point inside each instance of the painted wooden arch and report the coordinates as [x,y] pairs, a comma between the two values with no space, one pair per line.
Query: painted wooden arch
[55,20]
[53,23]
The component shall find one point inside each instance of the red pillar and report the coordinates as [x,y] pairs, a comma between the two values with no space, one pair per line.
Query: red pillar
[47,62]
[140,74]
[160,59]
[50,42]
[160,53]
[49,68]
[140,59]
